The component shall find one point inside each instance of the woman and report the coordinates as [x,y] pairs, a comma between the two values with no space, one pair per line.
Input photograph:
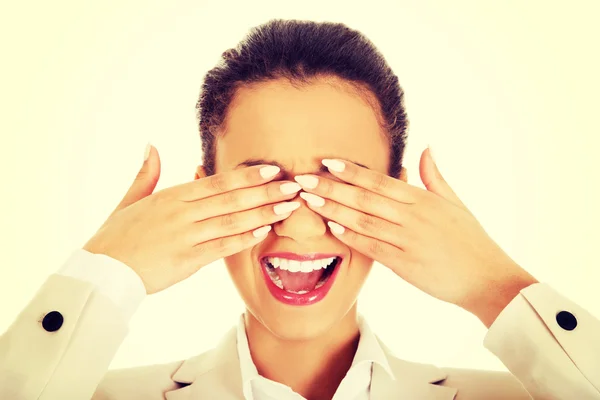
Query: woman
[302,187]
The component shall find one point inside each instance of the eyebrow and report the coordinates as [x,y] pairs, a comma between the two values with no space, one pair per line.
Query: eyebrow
[258,161]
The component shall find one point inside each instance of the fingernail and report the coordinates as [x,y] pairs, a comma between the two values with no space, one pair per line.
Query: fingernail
[334,165]
[287,207]
[290,187]
[308,181]
[313,199]
[336,228]
[431,152]
[261,231]
[147,151]
[269,171]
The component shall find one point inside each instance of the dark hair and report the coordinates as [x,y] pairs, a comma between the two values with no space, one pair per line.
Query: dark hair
[301,51]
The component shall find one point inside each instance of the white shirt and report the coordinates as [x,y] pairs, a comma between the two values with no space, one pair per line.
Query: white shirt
[354,386]
[124,287]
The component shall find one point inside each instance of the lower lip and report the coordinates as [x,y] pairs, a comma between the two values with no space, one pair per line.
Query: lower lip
[305,299]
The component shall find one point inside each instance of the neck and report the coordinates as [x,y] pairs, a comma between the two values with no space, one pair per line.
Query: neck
[313,368]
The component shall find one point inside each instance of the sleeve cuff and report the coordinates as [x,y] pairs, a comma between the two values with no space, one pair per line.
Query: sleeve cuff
[538,347]
[110,277]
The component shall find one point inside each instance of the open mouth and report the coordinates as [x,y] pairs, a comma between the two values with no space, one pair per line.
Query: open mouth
[300,282]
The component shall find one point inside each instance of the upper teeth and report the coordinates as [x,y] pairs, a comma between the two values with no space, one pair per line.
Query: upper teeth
[299,266]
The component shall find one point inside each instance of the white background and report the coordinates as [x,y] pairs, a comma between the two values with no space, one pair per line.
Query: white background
[506,92]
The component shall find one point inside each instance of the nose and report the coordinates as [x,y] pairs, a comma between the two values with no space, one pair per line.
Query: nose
[303,225]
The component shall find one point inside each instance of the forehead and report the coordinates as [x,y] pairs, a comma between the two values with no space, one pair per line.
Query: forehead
[297,126]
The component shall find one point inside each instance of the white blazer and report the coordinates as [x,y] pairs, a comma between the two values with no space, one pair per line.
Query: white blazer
[61,344]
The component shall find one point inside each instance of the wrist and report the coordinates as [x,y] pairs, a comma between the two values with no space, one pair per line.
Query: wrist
[497,295]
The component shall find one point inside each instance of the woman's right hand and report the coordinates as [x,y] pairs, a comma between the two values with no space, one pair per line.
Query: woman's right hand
[167,236]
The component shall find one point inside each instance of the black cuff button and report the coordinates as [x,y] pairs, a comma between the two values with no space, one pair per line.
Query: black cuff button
[52,321]
[566,320]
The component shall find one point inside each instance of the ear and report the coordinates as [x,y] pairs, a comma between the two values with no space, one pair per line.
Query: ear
[200,172]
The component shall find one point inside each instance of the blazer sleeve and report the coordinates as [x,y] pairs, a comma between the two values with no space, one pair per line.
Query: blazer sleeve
[61,345]
[550,344]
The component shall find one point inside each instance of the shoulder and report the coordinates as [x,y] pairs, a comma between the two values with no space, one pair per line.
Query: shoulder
[473,384]
[152,382]
[146,382]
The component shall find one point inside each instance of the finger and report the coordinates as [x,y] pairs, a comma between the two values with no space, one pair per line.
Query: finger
[357,198]
[208,252]
[434,181]
[145,181]
[235,223]
[362,223]
[382,252]
[224,182]
[373,180]
[200,172]
[240,200]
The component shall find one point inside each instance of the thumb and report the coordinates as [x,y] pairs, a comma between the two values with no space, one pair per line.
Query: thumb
[434,181]
[146,179]
[200,172]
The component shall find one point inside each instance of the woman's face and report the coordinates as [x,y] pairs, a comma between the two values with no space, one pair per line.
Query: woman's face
[297,128]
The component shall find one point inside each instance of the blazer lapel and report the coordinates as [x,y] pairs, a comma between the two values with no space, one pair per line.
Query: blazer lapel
[211,375]
[412,381]
[215,374]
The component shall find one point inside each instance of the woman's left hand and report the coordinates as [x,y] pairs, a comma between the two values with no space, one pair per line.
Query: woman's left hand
[427,237]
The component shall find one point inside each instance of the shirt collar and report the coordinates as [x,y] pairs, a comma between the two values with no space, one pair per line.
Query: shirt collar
[248,369]
[369,350]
